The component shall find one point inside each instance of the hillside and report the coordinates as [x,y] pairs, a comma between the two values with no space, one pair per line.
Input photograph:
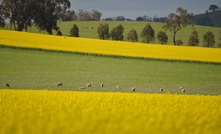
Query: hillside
[211,18]
[91,31]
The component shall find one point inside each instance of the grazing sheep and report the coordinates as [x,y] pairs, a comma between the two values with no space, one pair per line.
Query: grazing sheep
[82,88]
[102,85]
[183,90]
[133,89]
[118,87]
[60,84]
[88,85]
[161,89]
[181,87]
[7,85]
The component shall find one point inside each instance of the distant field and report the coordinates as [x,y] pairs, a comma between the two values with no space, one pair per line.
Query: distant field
[26,69]
[183,34]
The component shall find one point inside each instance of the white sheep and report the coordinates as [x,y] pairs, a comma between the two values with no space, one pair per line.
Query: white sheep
[133,89]
[161,89]
[82,88]
[60,84]
[88,85]
[183,90]
[102,85]
[118,87]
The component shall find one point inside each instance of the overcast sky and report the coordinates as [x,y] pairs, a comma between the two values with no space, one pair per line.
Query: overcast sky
[134,8]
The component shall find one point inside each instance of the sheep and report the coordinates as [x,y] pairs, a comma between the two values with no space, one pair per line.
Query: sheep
[102,85]
[7,85]
[60,84]
[181,87]
[82,88]
[133,89]
[183,90]
[118,87]
[161,89]
[88,85]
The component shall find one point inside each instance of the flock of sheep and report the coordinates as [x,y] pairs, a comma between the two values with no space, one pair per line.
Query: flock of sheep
[102,85]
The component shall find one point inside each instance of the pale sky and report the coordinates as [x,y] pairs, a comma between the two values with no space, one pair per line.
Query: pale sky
[135,8]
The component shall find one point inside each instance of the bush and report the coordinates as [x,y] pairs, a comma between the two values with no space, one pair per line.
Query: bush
[179,42]
[194,40]
[103,31]
[162,37]
[208,39]
[148,34]
[117,33]
[74,32]
[132,35]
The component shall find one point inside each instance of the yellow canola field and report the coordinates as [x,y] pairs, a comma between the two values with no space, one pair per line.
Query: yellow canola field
[61,112]
[108,47]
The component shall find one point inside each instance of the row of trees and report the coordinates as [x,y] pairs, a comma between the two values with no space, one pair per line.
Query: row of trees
[147,34]
[23,13]
[81,15]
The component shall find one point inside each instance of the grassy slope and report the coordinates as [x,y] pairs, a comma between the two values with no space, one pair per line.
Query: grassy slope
[183,34]
[41,70]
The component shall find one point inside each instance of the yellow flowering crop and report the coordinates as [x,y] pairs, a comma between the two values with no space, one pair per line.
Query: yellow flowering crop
[116,48]
[40,112]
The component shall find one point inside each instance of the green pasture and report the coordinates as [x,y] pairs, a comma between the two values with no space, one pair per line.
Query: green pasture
[32,69]
[88,29]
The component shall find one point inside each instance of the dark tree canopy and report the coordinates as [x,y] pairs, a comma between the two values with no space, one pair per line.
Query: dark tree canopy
[162,37]
[44,13]
[175,22]
[213,8]
[148,34]
[103,31]
[208,39]
[117,33]
[132,35]
[194,40]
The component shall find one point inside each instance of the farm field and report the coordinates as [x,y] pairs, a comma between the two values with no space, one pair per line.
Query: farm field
[109,48]
[31,69]
[32,111]
[183,34]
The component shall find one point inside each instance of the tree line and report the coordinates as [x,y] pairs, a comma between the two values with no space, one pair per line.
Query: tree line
[174,22]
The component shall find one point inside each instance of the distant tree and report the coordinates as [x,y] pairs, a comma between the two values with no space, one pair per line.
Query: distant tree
[144,18]
[74,32]
[175,22]
[103,31]
[158,19]
[194,40]
[96,15]
[213,8]
[148,34]
[179,42]
[108,19]
[132,35]
[208,39]
[69,15]
[117,33]
[120,18]
[162,37]
[203,20]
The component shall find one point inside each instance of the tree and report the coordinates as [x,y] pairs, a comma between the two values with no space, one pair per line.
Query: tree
[162,37]
[103,31]
[132,35]
[49,12]
[148,34]
[2,19]
[208,39]
[96,15]
[213,8]
[69,15]
[194,40]
[74,32]
[44,13]
[117,32]
[174,22]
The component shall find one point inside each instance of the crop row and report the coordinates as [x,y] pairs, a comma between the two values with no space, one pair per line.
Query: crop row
[32,111]
[110,48]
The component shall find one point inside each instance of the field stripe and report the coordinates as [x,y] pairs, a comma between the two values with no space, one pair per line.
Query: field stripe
[112,48]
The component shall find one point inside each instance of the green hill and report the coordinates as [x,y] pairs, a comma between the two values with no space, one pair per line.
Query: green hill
[211,18]
[88,29]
